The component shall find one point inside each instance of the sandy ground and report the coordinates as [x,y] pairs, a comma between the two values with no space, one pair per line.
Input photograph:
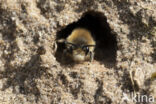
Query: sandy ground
[32,70]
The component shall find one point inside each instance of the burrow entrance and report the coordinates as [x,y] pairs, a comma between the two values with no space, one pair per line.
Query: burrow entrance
[96,22]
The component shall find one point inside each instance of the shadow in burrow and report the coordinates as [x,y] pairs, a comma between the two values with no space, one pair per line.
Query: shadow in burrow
[96,23]
[22,79]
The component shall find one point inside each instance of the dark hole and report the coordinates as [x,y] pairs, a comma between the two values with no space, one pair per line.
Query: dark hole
[96,22]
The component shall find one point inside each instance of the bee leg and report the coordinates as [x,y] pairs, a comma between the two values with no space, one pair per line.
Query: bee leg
[91,56]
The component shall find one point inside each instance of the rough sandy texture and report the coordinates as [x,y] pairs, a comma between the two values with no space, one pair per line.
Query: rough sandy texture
[30,72]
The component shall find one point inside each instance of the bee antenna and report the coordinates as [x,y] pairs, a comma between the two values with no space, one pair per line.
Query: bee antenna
[70,43]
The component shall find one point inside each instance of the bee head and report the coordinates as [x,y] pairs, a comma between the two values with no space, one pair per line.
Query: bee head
[78,52]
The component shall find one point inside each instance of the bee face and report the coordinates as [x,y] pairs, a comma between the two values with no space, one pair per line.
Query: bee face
[78,53]
[80,45]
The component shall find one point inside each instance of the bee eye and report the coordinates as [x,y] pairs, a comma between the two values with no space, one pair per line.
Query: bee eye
[86,49]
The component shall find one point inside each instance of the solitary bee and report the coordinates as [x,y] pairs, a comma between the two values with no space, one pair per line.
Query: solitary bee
[80,45]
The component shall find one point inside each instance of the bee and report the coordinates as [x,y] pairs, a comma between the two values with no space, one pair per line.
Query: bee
[79,45]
